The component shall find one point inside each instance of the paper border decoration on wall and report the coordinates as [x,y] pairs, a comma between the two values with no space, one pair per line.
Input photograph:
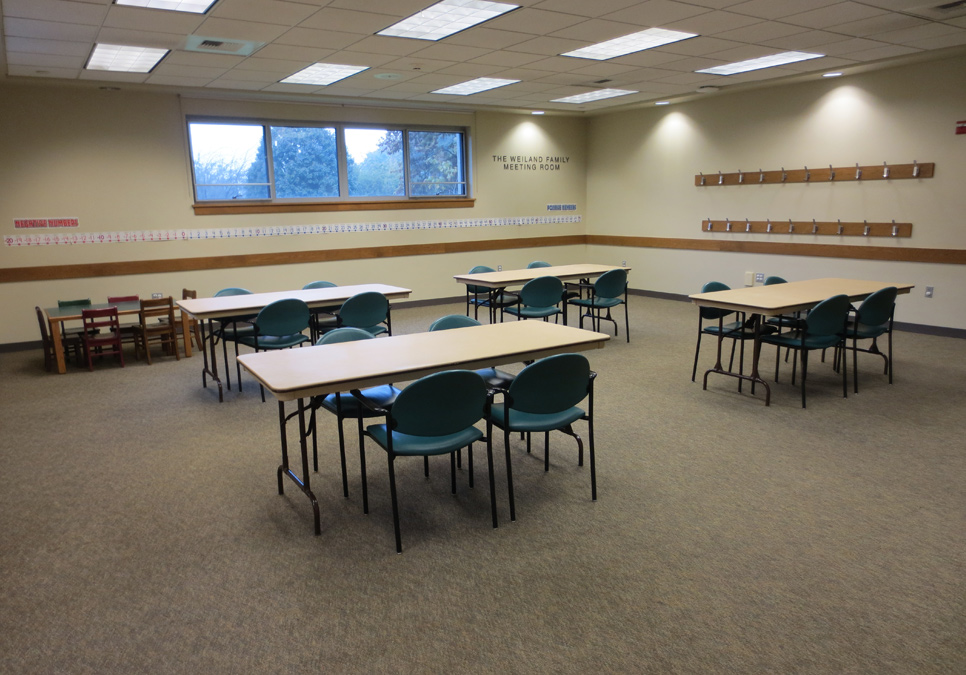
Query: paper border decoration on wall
[47,238]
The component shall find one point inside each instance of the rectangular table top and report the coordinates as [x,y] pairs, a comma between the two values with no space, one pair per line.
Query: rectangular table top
[793,296]
[251,303]
[73,312]
[311,371]
[511,277]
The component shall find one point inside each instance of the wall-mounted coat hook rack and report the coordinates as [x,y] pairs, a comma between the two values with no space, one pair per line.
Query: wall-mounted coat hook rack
[814,227]
[832,174]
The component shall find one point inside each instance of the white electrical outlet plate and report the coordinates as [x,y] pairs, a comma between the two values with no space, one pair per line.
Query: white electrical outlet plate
[157,296]
[759,277]
[929,290]
[499,268]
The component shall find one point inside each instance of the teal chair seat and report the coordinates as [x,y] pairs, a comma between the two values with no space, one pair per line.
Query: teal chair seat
[528,421]
[407,444]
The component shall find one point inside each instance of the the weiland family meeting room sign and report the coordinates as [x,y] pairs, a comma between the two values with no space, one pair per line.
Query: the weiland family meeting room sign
[531,162]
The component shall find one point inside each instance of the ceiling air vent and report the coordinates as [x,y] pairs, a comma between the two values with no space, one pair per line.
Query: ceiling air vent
[213,45]
[941,12]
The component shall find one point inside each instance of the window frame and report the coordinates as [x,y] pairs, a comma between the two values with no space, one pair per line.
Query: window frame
[343,202]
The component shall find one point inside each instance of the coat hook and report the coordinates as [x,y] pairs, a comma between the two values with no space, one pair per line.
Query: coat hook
[858,172]
[915,169]
[768,229]
[702,178]
[831,172]
[865,232]
[885,170]
[720,179]
[791,226]
[728,224]
[895,228]
[710,224]
[814,227]
[784,175]
[747,225]
[840,230]
[741,176]
[808,174]
[761,176]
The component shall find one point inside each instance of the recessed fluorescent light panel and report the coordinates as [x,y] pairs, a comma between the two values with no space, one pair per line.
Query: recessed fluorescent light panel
[759,63]
[474,86]
[193,6]
[323,74]
[628,44]
[596,95]
[445,18]
[124,59]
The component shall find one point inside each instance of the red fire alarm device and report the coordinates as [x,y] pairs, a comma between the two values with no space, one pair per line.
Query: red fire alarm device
[961,127]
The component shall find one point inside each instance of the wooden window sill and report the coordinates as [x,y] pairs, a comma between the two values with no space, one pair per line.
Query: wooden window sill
[223,209]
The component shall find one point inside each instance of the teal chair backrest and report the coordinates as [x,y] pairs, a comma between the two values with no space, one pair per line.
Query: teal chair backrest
[551,385]
[344,334]
[364,310]
[771,281]
[828,317]
[85,302]
[453,321]
[542,292]
[232,291]
[877,309]
[611,284]
[283,317]
[538,263]
[318,284]
[479,269]
[440,404]
[714,312]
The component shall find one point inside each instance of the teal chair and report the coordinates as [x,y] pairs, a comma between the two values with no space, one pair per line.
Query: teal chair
[483,296]
[494,378]
[823,328]
[434,415]
[369,311]
[544,397]
[607,292]
[539,299]
[279,325]
[873,319]
[322,319]
[231,328]
[349,407]
[739,331]
[537,263]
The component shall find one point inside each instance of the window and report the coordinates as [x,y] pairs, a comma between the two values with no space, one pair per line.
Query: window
[279,162]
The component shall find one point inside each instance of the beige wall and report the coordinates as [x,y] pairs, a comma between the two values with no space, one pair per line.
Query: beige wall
[642,165]
[118,162]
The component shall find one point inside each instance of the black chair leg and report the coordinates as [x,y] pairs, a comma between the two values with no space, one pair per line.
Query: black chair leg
[395,505]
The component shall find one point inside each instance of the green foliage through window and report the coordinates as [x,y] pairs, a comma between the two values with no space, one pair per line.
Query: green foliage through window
[239,161]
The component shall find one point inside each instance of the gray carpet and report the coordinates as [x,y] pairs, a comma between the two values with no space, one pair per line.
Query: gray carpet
[142,531]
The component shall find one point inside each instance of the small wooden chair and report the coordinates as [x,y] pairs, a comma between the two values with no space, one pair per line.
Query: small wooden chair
[129,328]
[101,330]
[71,342]
[151,328]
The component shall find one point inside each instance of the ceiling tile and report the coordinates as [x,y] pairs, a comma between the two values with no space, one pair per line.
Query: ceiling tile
[349,21]
[36,46]
[833,15]
[135,18]
[583,7]
[547,46]
[233,29]
[263,11]
[65,12]
[534,21]
[48,30]
[879,24]
[448,52]
[777,9]
[487,38]
[46,60]
[320,39]
[508,59]
[712,23]
[656,13]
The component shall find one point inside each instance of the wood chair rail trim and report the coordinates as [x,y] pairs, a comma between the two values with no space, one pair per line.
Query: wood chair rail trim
[172,265]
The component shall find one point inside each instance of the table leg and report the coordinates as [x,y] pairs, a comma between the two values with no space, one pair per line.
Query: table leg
[54,329]
[210,356]
[754,377]
[186,333]
[285,469]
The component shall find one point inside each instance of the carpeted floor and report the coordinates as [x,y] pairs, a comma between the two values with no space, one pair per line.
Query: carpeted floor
[141,530]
